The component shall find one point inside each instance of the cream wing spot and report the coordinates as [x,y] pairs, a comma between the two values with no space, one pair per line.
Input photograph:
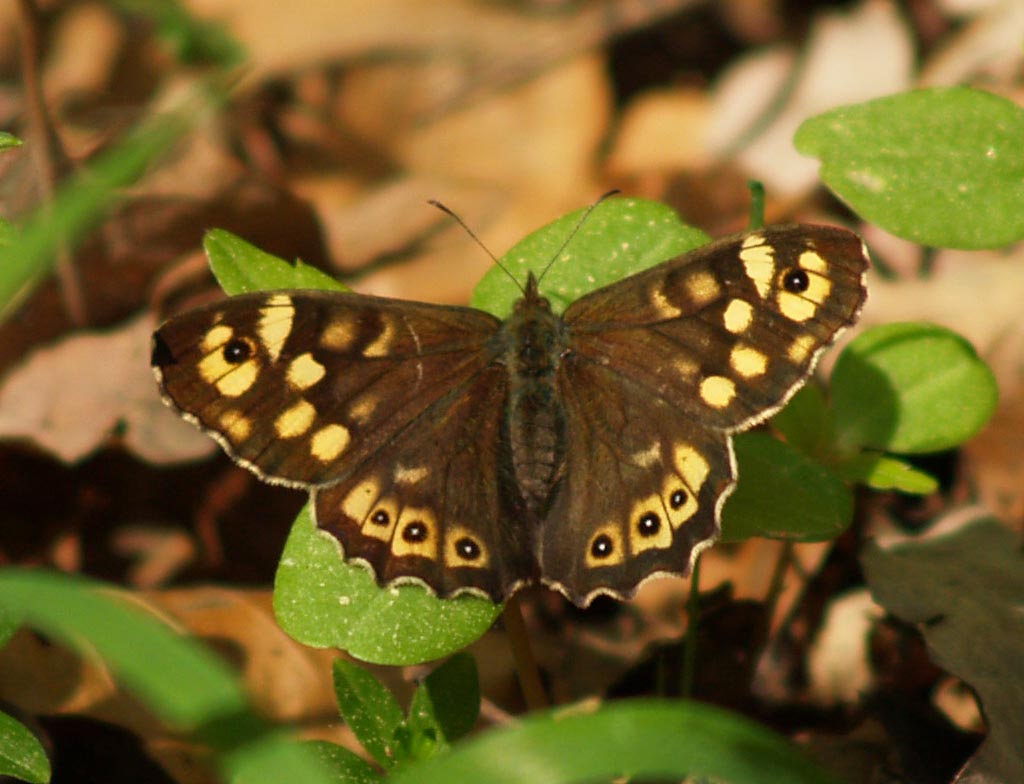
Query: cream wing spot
[661,304]
[295,421]
[801,349]
[328,442]
[759,263]
[379,346]
[304,372]
[216,337]
[680,501]
[229,379]
[703,288]
[692,466]
[648,457]
[717,391]
[340,334]
[416,533]
[357,504]
[275,324]
[362,409]
[649,527]
[738,316]
[805,288]
[382,520]
[405,475]
[748,361]
[236,425]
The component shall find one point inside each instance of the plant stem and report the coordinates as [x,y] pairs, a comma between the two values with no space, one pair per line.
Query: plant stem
[690,638]
[522,654]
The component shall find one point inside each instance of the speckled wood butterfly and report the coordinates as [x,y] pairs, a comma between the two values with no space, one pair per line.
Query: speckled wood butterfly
[587,451]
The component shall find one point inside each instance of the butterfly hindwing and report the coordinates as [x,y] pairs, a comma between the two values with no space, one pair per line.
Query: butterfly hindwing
[300,387]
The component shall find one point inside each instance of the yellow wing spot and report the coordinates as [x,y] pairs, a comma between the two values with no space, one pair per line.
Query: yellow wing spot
[295,421]
[340,334]
[679,499]
[410,476]
[216,337]
[686,368]
[357,504]
[717,391]
[361,410]
[236,425]
[748,361]
[649,526]
[381,520]
[605,547]
[692,466]
[801,307]
[759,262]
[738,316]
[304,372]
[328,442]
[463,548]
[229,379]
[275,324]
[416,533]
[800,350]
[379,346]
[661,304]
[648,457]
[812,261]
[703,288]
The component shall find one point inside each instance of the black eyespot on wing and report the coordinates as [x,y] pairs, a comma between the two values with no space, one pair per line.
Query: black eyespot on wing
[649,524]
[414,532]
[467,548]
[602,546]
[796,281]
[677,499]
[237,350]
[380,517]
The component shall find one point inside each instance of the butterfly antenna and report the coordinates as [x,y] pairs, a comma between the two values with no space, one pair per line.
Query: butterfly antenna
[575,231]
[451,213]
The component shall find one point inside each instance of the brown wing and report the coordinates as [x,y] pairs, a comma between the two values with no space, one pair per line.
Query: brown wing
[304,387]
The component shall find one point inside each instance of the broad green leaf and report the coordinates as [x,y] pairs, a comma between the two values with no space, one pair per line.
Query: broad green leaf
[942,166]
[783,494]
[240,267]
[368,708]
[806,421]
[448,700]
[619,238]
[8,140]
[910,388]
[882,472]
[323,602]
[641,740]
[21,754]
[347,767]
[272,758]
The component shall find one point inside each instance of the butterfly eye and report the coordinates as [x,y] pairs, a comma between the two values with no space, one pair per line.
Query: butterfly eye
[677,499]
[237,351]
[602,546]
[649,524]
[415,531]
[380,517]
[467,548]
[796,281]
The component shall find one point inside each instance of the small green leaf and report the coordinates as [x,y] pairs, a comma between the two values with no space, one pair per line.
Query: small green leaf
[910,388]
[887,473]
[193,40]
[21,754]
[8,140]
[347,767]
[942,166]
[323,602]
[448,700]
[619,238]
[240,267]
[368,708]
[783,494]
[639,740]
[806,421]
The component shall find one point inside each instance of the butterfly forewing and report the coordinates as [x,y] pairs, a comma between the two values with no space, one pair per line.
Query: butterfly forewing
[301,387]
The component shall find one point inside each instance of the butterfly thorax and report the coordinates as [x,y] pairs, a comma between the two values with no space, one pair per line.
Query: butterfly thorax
[532,342]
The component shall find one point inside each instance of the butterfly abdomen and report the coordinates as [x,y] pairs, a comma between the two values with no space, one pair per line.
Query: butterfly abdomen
[533,341]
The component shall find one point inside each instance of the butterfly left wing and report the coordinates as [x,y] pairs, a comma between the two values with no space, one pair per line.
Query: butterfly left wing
[662,367]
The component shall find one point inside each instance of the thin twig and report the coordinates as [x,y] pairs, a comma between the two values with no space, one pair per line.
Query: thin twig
[522,654]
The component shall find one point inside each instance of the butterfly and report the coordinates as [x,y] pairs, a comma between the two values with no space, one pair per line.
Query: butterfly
[588,451]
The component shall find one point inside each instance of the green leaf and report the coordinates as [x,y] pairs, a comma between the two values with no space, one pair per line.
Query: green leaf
[911,388]
[368,708]
[347,767]
[448,700]
[181,682]
[240,267]
[21,754]
[887,473]
[193,40]
[8,140]
[806,421]
[783,494]
[642,739]
[323,602]
[620,237]
[942,166]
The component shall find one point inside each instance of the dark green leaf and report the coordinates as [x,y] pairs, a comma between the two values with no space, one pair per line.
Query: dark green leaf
[644,740]
[942,167]
[240,267]
[324,602]
[886,473]
[806,421]
[448,700]
[368,708]
[21,754]
[783,494]
[910,388]
[347,767]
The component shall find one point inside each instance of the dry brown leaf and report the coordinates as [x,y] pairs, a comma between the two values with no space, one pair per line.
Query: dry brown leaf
[68,398]
[661,131]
